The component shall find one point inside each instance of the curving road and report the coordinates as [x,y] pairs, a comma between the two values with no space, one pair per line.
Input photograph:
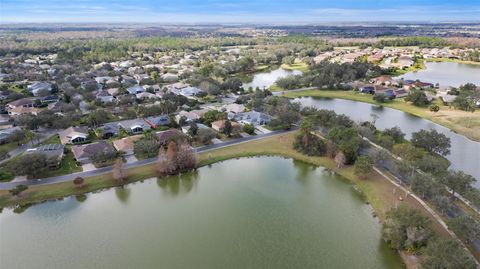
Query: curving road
[108,169]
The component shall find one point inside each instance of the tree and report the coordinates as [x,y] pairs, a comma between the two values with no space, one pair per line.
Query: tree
[418,98]
[119,174]
[213,115]
[432,141]
[466,227]
[193,129]
[380,97]
[363,165]
[447,254]
[408,152]
[396,133]
[424,186]
[340,159]
[347,141]
[458,181]
[18,190]
[433,164]
[434,108]
[29,164]
[17,136]
[249,129]
[406,229]
[227,129]
[78,182]
[205,136]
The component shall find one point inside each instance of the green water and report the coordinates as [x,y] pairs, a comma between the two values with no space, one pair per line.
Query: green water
[266,212]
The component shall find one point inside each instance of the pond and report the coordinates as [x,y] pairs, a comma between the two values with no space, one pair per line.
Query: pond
[267,79]
[265,212]
[447,74]
[464,155]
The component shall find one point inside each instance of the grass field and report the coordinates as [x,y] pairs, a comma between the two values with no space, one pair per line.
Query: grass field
[464,123]
[300,66]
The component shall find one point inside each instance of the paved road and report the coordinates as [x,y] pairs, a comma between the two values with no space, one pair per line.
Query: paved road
[106,170]
[21,149]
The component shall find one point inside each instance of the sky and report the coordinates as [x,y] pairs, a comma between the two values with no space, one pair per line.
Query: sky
[239,11]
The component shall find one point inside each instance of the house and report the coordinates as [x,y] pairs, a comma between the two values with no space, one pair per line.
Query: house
[135,126]
[53,152]
[83,153]
[158,121]
[233,108]
[367,89]
[399,93]
[5,122]
[108,130]
[384,80]
[219,126]
[126,144]
[40,86]
[105,97]
[23,111]
[146,95]
[49,99]
[188,91]
[388,92]
[24,102]
[448,98]
[5,134]
[135,89]
[253,117]
[73,135]
[186,128]
[166,136]
[189,116]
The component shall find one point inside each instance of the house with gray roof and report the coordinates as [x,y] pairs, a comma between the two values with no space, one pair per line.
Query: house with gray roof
[53,152]
[73,135]
[157,121]
[253,117]
[39,86]
[135,126]
[135,89]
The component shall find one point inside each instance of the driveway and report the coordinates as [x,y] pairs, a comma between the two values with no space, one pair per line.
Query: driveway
[131,159]
[88,167]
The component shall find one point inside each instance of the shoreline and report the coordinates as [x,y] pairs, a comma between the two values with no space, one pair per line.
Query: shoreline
[376,190]
[440,118]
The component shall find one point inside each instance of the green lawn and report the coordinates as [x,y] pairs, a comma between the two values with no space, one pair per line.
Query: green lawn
[300,66]
[67,166]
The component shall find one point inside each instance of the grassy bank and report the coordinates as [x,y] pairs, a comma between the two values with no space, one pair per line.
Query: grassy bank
[464,123]
[300,66]
[451,60]
[376,190]
[379,192]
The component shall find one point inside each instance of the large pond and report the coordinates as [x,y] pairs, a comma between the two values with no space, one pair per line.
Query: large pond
[266,79]
[465,153]
[447,74]
[265,212]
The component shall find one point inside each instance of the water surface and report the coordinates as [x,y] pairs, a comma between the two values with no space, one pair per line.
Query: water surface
[266,212]
[464,155]
[447,74]
[266,79]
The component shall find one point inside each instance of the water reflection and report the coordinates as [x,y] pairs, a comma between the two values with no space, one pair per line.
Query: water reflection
[81,198]
[303,171]
[122,193]
[178,184]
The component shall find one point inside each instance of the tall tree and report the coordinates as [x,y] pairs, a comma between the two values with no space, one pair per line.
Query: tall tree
[432,141]
[458,181]
[447,254]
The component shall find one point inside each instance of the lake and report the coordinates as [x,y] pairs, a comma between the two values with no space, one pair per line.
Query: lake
[465,153]
[265,212]
[447,74]
[267,79]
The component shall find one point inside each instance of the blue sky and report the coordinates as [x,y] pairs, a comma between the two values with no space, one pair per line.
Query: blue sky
[240,11]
